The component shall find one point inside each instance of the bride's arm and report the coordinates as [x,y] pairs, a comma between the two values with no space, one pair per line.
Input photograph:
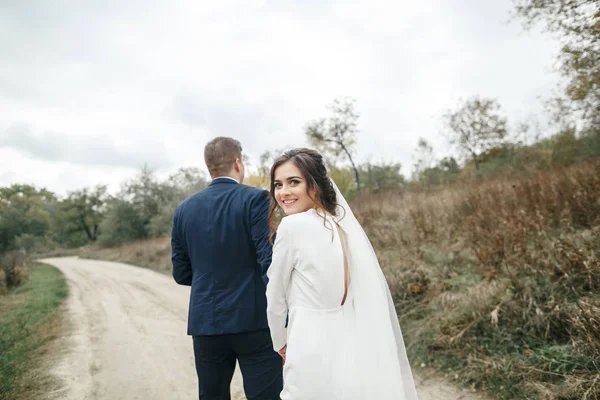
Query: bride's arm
[279,274]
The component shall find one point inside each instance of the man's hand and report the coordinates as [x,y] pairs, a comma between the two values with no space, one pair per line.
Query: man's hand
[282,352]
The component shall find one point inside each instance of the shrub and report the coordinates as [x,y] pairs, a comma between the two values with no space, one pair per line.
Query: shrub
[12,267]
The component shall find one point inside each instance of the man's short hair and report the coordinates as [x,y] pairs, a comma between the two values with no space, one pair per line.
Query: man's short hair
[220,154]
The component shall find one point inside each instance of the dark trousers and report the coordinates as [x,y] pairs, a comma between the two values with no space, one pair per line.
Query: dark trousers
[261,366]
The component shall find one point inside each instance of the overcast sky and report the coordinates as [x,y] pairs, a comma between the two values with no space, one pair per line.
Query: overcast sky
[91,90]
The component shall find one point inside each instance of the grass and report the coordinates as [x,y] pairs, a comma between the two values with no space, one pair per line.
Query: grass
[28,318]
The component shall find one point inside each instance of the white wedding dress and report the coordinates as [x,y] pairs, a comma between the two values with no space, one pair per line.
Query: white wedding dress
[334,351]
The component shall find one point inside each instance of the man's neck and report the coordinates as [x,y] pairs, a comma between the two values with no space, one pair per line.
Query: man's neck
[226,177]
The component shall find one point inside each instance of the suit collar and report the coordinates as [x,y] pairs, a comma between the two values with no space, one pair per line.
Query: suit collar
[224,179]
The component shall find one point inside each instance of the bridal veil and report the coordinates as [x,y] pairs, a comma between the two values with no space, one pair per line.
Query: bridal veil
[381,353]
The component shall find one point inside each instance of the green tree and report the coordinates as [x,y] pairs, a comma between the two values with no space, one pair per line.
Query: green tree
[566,148]
[590,144]
[82,212]
[130,213]
[382,176]
[176,188]
[336,135]
[476,127]
[145,194]
[578,24]
[123,223]
[446,171]
[24,209]
[144,207]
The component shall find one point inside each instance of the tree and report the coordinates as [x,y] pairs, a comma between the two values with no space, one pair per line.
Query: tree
[123,223]
[475,127]
[382,176]
[566,148]
[130,213]
[423,157]
[336,135]
[186,181]
[82,211]
[24,209]
[177,187]
[266,160]
[446,171]
[449,165]
[144,207]
[578,23]
[145,194]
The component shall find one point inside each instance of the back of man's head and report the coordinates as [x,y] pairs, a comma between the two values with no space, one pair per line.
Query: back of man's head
[220,155]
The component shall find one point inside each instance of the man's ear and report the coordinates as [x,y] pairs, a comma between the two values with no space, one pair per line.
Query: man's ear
[238,165]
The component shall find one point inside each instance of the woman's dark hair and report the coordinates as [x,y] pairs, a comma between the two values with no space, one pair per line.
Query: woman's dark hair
[311,165]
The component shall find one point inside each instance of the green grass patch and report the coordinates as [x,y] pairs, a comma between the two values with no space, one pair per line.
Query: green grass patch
[25,313]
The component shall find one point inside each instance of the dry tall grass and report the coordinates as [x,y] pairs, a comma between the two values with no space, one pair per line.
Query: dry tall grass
[153,253]
[499,280]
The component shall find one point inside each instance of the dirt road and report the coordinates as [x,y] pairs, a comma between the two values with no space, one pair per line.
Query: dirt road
[126,338]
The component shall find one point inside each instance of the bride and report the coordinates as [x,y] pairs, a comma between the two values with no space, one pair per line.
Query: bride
[330,312]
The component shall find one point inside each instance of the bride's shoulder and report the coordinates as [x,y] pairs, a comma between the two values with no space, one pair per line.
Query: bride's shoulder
[294,221]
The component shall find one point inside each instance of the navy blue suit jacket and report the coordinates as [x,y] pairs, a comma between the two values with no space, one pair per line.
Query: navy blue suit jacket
[220,246]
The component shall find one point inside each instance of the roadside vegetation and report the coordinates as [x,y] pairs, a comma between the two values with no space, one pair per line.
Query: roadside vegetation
[29,320]
[498,283]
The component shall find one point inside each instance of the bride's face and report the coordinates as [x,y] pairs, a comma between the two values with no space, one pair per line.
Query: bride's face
[291,190]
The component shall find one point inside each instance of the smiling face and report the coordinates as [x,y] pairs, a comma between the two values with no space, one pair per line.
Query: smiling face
[290,189]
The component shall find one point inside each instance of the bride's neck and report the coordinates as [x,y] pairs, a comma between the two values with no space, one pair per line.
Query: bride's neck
[322,211]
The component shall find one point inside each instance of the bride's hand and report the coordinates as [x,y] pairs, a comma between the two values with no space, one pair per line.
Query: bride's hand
[282,352]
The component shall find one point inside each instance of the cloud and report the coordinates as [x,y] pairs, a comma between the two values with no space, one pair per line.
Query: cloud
[94,84]
[8,176]
[93,150]
[59,177]
[206,112]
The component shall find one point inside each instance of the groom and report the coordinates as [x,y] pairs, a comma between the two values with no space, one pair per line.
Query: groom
[220,247]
